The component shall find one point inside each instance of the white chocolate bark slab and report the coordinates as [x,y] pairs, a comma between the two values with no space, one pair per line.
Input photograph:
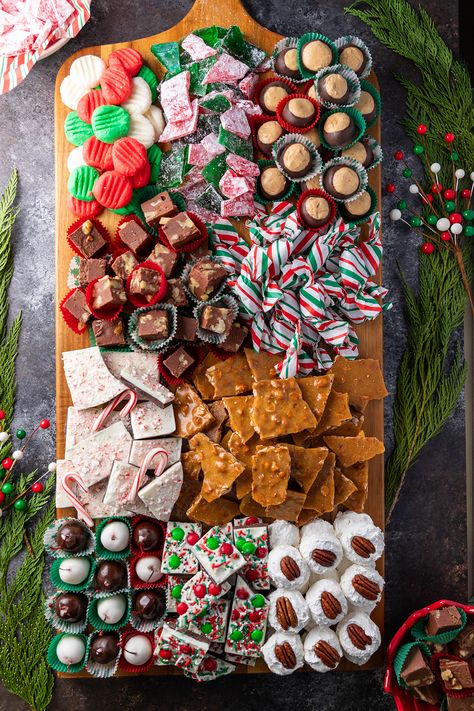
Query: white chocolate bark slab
[89,380]
[161,493]
[148,420]
[94,456]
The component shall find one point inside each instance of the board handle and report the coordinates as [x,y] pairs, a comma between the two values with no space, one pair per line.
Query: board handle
[204,13]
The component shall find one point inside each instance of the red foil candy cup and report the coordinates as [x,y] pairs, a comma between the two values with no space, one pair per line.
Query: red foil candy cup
[68,318]
[195,351]
[405,701]
[145,519]
[290,127]
[138,583]
[255,123]
[316,193]
[103,314]
[126,666]
[191,246]
[82,208]
[99,227]
[263,83]
[140,301]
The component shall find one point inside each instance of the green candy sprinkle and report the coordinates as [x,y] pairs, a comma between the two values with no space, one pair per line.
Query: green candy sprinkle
[206,628]
[176,592]
[177,534]
[249,548]
[258,600]
[76,130]
[174,561]
[81,181]
[256,635]
[110,123]
[236,636]
[212,543]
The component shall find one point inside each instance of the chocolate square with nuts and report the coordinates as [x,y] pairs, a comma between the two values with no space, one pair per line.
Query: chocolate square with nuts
[153,325]
[87,239]
[109,333]
[124,264]
[108,293]
[90,269]
[442,620]
[176,293]
[180,230]
[205,278]
[134,236]
[179,361]
[164,257]
[216,319]
[145,282]
[158,207]
[77,306]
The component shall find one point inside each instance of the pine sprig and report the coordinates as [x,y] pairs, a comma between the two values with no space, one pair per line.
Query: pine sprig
[432,373]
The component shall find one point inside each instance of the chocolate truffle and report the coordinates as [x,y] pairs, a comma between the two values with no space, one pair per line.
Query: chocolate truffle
[149,604]
[267,134]
[271,95]
[71,607]
[74,571]
[367,107]
[295,159]
[299,112]
[72,537]
[358,207]
[334,88]
[272,184]
[105,647]
[286,63]
[339,129]
[315,55]
[153,325]
[313,136]
[315,210]
[341,181]
[353,57]
[360,151]
[111,575]
[147,536]
[109,333]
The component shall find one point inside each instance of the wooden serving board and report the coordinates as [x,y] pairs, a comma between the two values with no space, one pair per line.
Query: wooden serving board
[202,14]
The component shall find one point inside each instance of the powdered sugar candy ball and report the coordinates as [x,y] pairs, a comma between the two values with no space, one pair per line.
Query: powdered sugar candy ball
[319,547]
[283,533]
[326,602]
[283,653]
[322,650]
[289,611]
[359,637]
[362,586]
[361,539]
[287,569]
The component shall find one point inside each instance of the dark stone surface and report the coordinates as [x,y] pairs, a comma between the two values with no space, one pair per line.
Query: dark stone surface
[426,550]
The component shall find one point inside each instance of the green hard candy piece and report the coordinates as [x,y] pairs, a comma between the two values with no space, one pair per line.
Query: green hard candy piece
[256,635]
[212,543]
[215,169]
[174,561]
[257,600]
[167,53]
[154,154]
[110,123]
[76,130]
[211,35]
[172,169]
[234,144]
[218,103]
[206,628]
[197,72]
[432,219]
[249,548]
[469,231]
[151,79]
[235,43]
[81,181]
[176,592]
[454,156]
[468,214]
[177,534]
[236,636]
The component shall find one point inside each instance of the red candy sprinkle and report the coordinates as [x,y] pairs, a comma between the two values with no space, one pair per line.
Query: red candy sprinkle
[127,58]
[185,649]
[421,129]
[181,608]
[214,589]
[449,137]
[192,538]
[254,616]
[98,154]
[7,463]
[242,594]
[466,193]
[226,549]
[82,208]
[455,218]
[398,155]
[390,187]
[199,591]
[44,424]
[165,653]
[261,552]
[88,104]
[251,520]
[128,156]
[427,248]
[445,236]
[251,575]
[449,194]
[112,190]
[209,664]
[116,84]
[235,615]
[37,488]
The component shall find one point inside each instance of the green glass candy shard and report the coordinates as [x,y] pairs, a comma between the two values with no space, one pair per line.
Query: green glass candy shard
[234,43]
[167,53]
[210,200]
[234,144]
[81,181]
[212,36]
[197,72]
[173,166]
[151,79]
[215,169]
[76,130]
[218,103]
[154,154]
[110,123]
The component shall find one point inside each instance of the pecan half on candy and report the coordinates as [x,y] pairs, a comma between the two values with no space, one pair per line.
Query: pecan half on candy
[285,655]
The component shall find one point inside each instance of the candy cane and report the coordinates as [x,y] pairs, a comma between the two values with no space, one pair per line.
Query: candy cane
[145,465]
[126,409]
[81,512]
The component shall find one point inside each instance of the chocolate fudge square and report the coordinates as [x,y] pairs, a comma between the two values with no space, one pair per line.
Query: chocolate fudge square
[108,293]
[463,645]
[430,694]
[455,674]
[158,207]
[216,319]
[77,306]
[87,239]
[109,333]
[186,328]
[235,338]
[153,325]
[145,282]
[179,361]
[460,704]
[205,278]
[176,293]
[443,620]
[164,257]
[134,236]
[416,671]
[124,264]
[180,230]
[90,269]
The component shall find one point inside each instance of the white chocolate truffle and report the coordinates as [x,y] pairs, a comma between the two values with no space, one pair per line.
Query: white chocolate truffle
[319,547]
[327,603]
[74,571]
[359,637]
[115,536]
[137,650]
[283,533]
[71,649]
[287,568]
[289,611]
[111,609]
[321,649]
[363,587]
[283,653]
[362,540]
[148,569]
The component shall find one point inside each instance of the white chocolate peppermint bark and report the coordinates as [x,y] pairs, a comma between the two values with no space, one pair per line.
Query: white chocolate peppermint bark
[181,649]
[118,489]
[93,500]
[89,380]
[213,623]
[79,424]
[218,555]
[210,669]
[148,420]
[252,543]
[178,556]
[141,447]
[143,366]
[155,392]
[198,593]
[161,493]
[94,456]
[248,621]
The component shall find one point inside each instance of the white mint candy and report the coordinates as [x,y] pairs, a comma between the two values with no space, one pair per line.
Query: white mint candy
[156,117]
[75,159]
[142,130]
[87,70]
[74,570]
[148,569]
[115,536]
[137,650]
[71,649]
[139,100]
[111,609]
[71,92]
[443,224]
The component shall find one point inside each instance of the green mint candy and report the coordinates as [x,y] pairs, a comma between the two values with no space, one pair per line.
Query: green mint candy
[176,592]
[211,35]
[77,131]
[212,543]
[177,534]
[154,154]
[235,43]
[218,103]
[174,561]
[236,636]
[151,79]
[81,181]
[110,123]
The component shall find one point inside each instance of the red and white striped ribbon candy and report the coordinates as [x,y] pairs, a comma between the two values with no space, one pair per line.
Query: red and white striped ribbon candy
[144,467]
[129,395]
[81,512]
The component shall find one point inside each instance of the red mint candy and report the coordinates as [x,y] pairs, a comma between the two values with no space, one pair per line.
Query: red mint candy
[199,591]
[214,589]
[98,154]
[181,608]
[235,615]
[254,616]
[165,653]
[251,575]
[127,58]
[141,177]
[112,190]
[116,84]
[209,664]
[129,156]
[261,552]
[242,594]
[88,104]
[185,649]
[251,520]
[192,538]
[226,549]
[82,208]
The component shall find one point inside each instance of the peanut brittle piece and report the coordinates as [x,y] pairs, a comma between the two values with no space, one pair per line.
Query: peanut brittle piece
[262,364]
[315,391]
[349,428]
[199,379]
[320,498]
[243,484]
[249,507]
[359,475]
[305,516]
[220,468]
[225,440]
[215,513]
[239,415]
[336,412]
[306,464]
[361,378]
[192,415]
[190,489]
[301,438]
[244,451]
[343,487]
[279,409]
[270,474]
[219,413]
[230,377]
[350,450]
[191,463]
[290,509]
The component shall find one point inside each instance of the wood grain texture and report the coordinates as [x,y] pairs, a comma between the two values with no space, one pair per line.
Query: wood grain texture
[202,14]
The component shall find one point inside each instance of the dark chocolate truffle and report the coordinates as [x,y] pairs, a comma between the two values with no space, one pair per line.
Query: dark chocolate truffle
[71,607]
[286,63]
[315,210]
[149,604]
[353,57]
[299,112]
[72,537]
[111,575]
[271,95]
[295,159]
[272,184]
[341,181]
[360,151]
[339,129]
[267,134]
[105,648]
[334,88]
[315,55]
[367,107]
[357,208]
[147,536]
